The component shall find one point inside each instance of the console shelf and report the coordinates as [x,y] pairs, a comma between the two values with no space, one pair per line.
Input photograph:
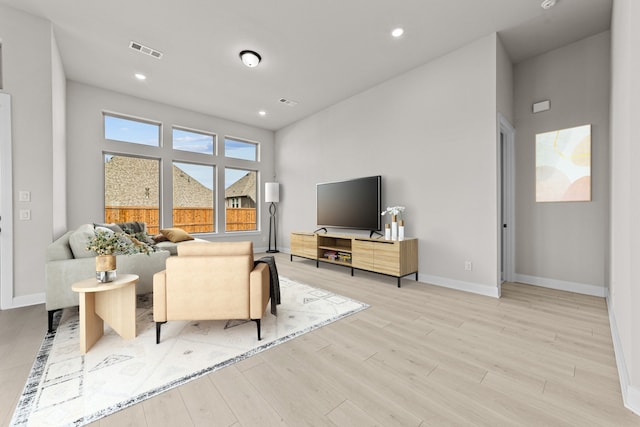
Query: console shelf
[389,257]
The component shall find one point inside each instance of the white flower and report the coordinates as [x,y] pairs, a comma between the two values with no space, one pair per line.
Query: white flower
[393,210]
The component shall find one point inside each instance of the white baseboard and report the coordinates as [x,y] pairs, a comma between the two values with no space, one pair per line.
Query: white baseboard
[562,285]
[630,394]
[460,285]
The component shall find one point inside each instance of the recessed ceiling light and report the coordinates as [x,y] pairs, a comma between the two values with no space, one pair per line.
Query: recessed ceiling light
[397,32]
[548,4]
[262,113]
[140,76]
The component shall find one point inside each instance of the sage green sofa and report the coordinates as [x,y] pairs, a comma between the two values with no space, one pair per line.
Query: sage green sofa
[68,262]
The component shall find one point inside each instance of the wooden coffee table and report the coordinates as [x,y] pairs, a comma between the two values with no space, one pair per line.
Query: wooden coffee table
[112,302]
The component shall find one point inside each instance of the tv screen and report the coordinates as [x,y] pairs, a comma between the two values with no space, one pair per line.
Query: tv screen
[354,204]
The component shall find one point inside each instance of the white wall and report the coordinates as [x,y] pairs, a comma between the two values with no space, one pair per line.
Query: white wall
[624,278]
[59,155]
[431,134]
[85,145]
[504,82]
[27,75]
[563,245]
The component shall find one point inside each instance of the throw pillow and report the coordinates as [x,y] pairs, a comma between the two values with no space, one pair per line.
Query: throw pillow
[176,234]
[112,226]
[79,239]
[160,238]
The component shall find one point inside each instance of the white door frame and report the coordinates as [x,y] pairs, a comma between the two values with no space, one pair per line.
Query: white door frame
[507,200]
[6,205]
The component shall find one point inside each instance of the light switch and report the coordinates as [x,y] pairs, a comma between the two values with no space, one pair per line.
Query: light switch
[25,214]
[24,196]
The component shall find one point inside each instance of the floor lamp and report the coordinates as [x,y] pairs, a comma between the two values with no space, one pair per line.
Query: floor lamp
[272,195]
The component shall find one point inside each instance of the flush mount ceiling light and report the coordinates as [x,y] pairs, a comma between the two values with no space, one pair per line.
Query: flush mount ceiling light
[548,4]
[140,76]
[250,58]
[262,113]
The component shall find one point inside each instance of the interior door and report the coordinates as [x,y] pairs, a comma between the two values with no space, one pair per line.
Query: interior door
[507,200]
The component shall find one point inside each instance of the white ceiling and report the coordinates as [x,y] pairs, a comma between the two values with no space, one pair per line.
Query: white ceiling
[314,52]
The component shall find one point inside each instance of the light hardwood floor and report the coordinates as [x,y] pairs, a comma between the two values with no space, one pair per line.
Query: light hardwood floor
[419,356]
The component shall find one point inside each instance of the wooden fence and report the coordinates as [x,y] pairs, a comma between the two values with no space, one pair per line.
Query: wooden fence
[191,220]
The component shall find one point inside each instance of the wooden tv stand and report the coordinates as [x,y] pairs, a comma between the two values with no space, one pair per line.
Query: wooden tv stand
[389,257]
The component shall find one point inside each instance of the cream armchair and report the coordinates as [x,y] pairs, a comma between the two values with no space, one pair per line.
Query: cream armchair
[211,281]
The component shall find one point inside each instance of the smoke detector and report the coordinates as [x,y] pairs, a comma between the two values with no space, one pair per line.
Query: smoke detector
[548,4]
[145,49]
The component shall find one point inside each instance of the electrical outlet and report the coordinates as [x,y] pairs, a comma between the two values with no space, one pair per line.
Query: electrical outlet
[468,266]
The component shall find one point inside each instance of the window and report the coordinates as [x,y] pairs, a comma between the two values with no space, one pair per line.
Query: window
[193,197]
[240,199]
[132,190]
[196,142]
[236,149]
[134,131]
[139,178]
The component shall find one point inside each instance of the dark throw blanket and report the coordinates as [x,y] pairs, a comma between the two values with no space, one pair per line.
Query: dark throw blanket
[274,282]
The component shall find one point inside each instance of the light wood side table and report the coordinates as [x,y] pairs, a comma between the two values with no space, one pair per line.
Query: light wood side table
[112,302]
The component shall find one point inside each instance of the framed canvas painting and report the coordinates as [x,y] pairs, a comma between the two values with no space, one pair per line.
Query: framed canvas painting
[563,165]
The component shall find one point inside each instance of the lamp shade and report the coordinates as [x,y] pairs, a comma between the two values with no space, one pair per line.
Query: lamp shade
[271,192]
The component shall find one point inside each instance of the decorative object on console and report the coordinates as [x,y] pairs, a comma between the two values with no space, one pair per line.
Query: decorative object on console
[394,227]
[394,211]
[272,195]
[401,230]
[387,231]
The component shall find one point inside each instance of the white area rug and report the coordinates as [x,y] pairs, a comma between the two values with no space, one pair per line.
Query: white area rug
[67,388]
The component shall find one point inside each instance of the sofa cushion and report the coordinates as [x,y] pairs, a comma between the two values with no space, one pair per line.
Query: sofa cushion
[79,239]
[176,234]
[133,227]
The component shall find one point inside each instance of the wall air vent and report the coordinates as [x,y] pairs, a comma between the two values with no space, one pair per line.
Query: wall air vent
[288,102]
[146,50]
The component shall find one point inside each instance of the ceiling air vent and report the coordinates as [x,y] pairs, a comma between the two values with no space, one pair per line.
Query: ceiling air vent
[146,50]
[288,102]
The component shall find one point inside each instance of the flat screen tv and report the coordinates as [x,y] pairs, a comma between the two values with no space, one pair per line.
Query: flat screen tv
[354,204]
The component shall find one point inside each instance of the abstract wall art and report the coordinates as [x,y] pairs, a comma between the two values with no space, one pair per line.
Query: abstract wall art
[563,165]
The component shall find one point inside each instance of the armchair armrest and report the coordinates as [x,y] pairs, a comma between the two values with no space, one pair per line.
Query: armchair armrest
[258,290]
[160,296]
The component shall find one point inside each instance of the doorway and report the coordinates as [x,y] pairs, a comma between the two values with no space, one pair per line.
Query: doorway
[6,205]
[507,199]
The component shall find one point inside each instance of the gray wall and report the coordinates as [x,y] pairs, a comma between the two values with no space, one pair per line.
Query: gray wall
[431,134]
[86,144]
[28,78]
[624,293]
[504,83]
[563,245]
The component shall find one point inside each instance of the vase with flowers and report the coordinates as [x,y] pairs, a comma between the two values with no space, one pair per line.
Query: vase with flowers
[395,212]
[107,244]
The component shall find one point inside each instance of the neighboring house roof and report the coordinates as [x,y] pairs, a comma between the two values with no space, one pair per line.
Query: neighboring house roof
[244,187]
[133,181]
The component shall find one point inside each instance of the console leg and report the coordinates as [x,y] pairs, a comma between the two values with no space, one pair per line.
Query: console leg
[399,279]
